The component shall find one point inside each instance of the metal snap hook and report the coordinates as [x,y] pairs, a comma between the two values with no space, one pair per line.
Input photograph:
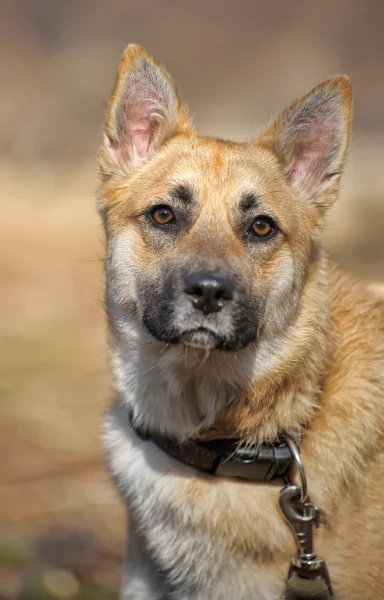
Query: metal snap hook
[302,516]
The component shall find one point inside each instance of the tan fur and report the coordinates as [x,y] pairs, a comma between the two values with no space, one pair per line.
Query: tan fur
[323,381]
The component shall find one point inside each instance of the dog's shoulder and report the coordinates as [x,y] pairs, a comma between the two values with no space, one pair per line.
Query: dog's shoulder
[377,290]
[355,302]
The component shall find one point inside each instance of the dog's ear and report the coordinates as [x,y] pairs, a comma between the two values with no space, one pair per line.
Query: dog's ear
[311,137]
[143,113]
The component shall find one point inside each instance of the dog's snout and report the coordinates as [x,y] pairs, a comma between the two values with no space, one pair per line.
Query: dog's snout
[209,292]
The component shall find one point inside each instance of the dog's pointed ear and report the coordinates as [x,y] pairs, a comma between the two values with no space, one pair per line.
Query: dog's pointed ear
[143,113]
[311,137]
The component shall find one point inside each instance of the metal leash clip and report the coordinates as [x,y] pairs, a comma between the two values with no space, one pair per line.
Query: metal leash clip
[308,575]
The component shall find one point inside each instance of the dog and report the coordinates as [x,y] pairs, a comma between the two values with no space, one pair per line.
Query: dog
[227,321]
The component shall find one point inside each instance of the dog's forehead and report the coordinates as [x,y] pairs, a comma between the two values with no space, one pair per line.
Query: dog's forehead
[225,169]
[212,174]
[211,171]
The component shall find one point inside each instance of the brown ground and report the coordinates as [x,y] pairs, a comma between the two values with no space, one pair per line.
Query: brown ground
[54,384]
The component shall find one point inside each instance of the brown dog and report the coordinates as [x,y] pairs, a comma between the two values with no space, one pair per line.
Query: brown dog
[227,320]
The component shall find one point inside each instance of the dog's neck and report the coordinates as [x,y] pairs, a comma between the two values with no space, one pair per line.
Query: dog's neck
[255,394]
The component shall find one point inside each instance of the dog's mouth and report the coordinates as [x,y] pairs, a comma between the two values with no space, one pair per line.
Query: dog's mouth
[200,337]
[177,321]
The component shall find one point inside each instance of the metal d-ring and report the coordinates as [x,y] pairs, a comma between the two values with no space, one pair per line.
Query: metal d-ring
[297,458]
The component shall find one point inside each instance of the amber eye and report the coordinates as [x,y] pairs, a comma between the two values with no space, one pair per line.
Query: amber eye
[263,226]
[162,215]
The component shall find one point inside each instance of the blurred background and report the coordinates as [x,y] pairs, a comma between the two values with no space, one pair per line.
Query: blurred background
[237,63]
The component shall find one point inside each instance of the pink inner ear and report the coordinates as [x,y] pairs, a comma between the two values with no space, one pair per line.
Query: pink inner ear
[141,131]
[136,129]
[304,164]
[311,153]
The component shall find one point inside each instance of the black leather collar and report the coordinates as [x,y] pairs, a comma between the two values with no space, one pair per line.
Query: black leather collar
[227,457]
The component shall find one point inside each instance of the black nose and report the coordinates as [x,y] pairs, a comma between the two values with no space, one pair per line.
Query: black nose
[209,292]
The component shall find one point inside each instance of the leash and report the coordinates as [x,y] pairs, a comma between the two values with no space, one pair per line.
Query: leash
[308,576]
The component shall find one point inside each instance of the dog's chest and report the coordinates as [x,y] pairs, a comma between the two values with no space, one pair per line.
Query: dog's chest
[206,534]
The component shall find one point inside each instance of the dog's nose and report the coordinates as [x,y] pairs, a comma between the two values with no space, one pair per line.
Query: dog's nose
[209,292]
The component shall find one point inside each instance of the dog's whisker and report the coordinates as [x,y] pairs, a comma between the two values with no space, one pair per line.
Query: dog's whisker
[87,260]
[148,370]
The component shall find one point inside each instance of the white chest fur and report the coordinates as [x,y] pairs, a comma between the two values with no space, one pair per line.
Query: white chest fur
[214,538]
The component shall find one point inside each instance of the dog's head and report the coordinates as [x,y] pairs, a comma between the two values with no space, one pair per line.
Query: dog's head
[210,242]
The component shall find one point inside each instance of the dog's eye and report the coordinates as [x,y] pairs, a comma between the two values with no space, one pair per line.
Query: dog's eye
[162,215]
[263,227]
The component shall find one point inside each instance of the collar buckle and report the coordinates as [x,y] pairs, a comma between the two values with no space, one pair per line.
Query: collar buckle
[226,457]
